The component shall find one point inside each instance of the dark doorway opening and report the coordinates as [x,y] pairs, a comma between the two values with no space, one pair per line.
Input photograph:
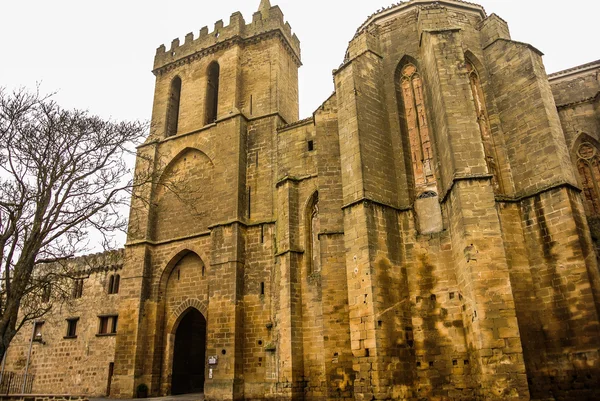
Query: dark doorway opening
[189,354]
[111,371]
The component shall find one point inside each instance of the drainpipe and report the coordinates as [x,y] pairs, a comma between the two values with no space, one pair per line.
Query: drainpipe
[28,358]
[3,364]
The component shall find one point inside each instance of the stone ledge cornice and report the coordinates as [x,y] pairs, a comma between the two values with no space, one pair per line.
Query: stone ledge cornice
[592,99]
[294,180]
[367,200]
[528,195]
[557,76]
[298,123]
[157,141]
[403,7]
[200,234]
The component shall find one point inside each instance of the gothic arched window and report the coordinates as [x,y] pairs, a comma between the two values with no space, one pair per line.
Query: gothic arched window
[418,129]
[212,92]
[313,246]
[173,107]
[588,165]
[484,125]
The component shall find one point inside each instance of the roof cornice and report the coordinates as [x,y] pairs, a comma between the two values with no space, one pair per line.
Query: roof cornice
[574,71]
[402,7]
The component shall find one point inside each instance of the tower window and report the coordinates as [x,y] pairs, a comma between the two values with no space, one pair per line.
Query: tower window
[311,146]
[173,107]
[212,93]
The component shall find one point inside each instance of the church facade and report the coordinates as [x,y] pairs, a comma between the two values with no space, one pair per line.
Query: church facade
[432,231]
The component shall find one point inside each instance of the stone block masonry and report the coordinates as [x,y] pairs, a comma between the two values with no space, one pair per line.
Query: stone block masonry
[429,233]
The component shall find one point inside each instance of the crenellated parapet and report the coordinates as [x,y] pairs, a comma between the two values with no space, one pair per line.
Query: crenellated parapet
[265,24]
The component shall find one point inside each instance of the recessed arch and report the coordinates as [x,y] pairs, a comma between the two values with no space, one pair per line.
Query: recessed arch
[474,60]
[180,155]
[174,259]
[474,69]
[188,365]
[182,202]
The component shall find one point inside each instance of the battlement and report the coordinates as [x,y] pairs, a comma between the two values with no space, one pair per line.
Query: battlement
[103,261]
[265,23]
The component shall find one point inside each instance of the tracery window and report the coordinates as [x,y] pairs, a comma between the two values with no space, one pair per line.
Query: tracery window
[588,165]
[418,130]
[484,125]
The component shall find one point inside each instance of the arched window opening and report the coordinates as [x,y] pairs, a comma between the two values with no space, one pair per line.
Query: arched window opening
[173,107]
[113,284]
[588,165]
[484,125]
[313,247]
[212,92]
[116,284]
[415,115]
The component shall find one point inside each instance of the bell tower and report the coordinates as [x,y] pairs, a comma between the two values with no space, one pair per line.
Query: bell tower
[219,98]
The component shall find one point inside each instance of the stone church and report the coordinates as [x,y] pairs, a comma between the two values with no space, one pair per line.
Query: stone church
[431,232]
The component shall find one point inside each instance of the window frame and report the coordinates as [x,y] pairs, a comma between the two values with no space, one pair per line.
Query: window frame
[37,329]
[71,328]
[114,283]
[77,288]
[107,325]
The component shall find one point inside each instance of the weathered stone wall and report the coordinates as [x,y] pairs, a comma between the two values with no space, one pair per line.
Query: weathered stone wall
[80,364]
[577,94]
[308,247]
[42,397]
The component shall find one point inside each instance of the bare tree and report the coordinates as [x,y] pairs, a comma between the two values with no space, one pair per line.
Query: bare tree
[62,174]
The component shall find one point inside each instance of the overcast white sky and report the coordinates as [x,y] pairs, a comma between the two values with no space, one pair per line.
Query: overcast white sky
[98,54]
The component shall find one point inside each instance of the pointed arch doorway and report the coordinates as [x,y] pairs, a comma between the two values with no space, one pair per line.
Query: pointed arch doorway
[189,354]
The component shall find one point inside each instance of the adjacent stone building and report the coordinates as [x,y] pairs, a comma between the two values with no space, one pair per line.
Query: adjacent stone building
[424,235]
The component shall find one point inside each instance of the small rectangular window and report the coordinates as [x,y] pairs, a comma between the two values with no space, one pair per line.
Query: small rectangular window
[311,146]
[107,325]
[37,331]
[72,327]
